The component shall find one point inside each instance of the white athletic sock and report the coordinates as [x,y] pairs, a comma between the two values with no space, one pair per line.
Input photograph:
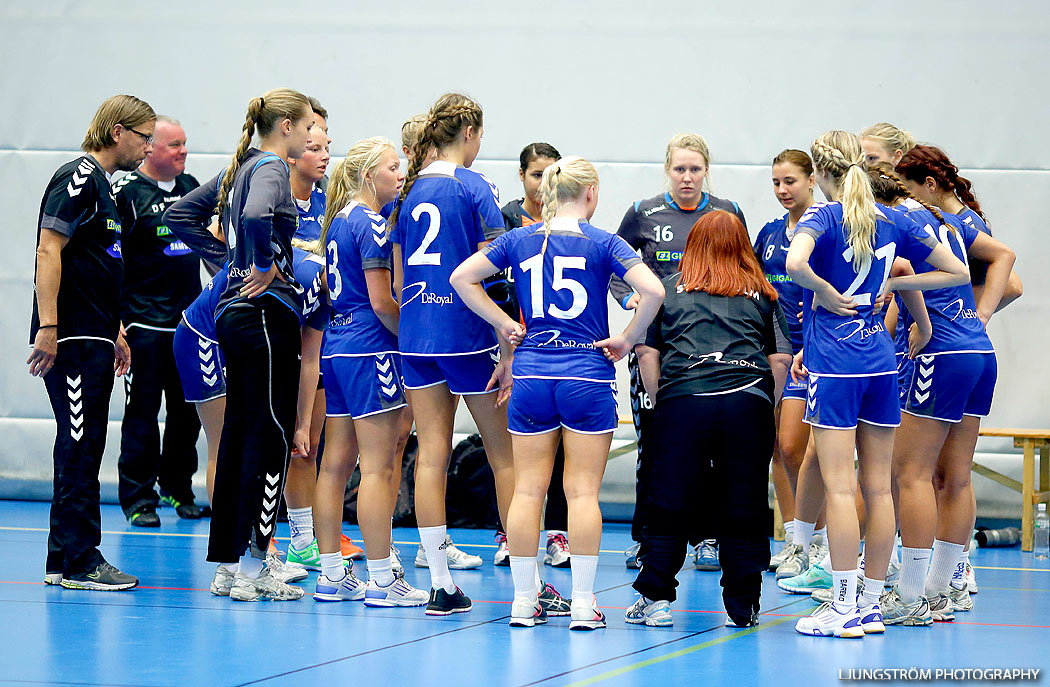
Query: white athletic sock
[584,569]
[789,531]
[232,567]
[895,554]
[433,539]
[803,533]
[823,534]
[914,564]
[523,570]
[380,571]
[959,576]
[872,591]
[942,565]
[826,561]
[844,586]
[332,566]
[249,566]
[301,522]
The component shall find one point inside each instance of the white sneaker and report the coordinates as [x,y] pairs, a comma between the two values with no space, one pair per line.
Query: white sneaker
[586,615]
[527,612]
[796,562]
[871,618]
[651,613]
[941,608]
[971,579]
[395,562]
[779,556]
[818,548]
[502,556]
[284,573]
[222,582]
[265,587]
[826,621]
[457,560]
[397,593]
[557,555]
[350,588]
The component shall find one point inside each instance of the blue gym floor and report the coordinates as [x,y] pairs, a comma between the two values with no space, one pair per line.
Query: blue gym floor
[171,631]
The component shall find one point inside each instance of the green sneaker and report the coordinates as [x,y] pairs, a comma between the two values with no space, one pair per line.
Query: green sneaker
[309,558]
[812,579]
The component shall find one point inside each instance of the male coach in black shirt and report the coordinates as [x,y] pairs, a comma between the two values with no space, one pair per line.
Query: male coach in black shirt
[76,332]
[161,279]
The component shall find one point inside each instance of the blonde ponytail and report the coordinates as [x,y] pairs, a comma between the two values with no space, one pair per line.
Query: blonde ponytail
[567,179]
[838,153]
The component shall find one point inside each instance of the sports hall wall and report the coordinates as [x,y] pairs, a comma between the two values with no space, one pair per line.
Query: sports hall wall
[611,81]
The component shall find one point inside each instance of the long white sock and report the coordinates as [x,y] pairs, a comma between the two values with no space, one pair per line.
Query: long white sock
[789,531]
[844,585]
[301,522]
[523,570]
[872,591]
[249,566]
[433,539]
[380,571]
[332,566]
[942,565]
[823,534]
[584,569]
[803,533]
[959,576]
[914,564]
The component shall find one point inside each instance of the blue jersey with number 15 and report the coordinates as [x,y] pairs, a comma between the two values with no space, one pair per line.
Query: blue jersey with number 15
[838,346]
[447,213]
[561,292]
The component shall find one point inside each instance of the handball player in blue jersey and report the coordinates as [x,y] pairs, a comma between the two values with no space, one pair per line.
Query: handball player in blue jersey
[563,370]
[841,254]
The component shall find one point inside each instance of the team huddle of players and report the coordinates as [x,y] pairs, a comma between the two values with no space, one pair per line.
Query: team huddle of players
[373,305]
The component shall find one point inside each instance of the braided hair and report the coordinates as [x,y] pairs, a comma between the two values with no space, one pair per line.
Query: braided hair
[564,180]
[929,161]
[838,153]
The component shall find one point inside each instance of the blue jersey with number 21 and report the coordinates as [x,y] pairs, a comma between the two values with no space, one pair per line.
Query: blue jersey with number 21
[840,346]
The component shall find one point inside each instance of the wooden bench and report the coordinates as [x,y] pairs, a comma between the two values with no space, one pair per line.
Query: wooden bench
[1029,440]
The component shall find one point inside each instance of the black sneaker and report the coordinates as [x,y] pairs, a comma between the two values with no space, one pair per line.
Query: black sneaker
[188,511]
[443,603]
[146,516]
[104,578]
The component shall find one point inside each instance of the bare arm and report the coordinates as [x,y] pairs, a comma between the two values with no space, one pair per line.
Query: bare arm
[650,297]
[922,329]
[383,304]
[466,280]
[48,280]
[951,271]
[398,274]
[649,367]
[1000,261]
[309,371]
[824,294]
[780,364]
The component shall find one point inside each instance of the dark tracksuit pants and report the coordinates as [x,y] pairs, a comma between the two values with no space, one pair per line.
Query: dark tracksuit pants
[710,459]
[261,339]
[79,387]
[144,459]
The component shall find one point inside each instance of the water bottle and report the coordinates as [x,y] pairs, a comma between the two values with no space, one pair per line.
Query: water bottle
[1042,533]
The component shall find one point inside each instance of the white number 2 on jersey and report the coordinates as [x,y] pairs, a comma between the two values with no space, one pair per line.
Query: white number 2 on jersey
[420,256]
[534,265]
[886,254]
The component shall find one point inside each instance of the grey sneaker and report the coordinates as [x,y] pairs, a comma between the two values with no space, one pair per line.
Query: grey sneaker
[53,578]
[222,581]
[779,557]
[104,578]
[282,572]
[896,612]
[941,608]
[961,600]
[648,612]
[823,596]
[265,587]
[818,548]
[795,562]
[553,603]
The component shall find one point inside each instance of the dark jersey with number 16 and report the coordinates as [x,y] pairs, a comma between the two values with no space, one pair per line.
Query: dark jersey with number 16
[161,273]
[79,204]
[657,228]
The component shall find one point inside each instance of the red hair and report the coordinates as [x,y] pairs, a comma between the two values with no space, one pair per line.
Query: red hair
[718,259]
[929,161]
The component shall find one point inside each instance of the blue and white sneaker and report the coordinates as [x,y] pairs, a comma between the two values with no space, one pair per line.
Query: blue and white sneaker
[397,593]
[705,555]
[648,612]
[871,619]
[350,588]
[826,621]
[812,579]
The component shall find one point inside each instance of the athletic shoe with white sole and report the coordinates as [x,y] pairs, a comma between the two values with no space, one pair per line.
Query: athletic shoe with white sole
[557,555]
[527,612]
[350,588]
[650,613]
[751,621]
[53,578]
[827,621]
[823,596]
[961,600]
[705,555]
[633,560]
[222,581]
[813,579]
[871,619]
[779,556]
[265,587]
[502,555]
[284,573]
[971,579]
[941,608]
[104,578]
[586,615]
[349,550]
[457,560]
[309,558]
[818,548]
[795,562]
[553,603]
[443,603]
[397,593]
[896,612]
